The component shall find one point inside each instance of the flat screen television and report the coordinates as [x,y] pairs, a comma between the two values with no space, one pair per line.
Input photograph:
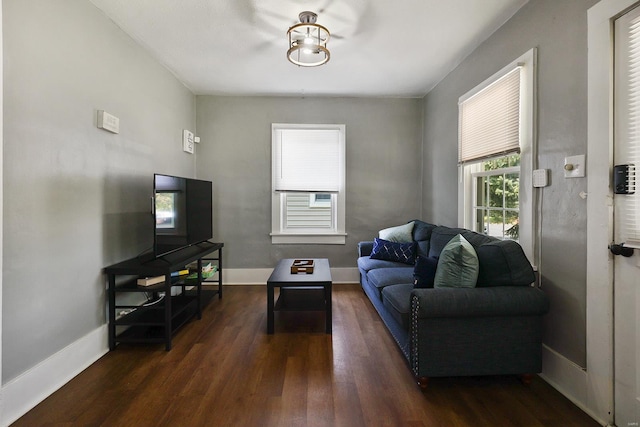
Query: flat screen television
[183,213]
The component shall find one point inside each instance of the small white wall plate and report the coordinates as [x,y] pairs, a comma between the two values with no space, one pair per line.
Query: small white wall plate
[574,166]
[187,141]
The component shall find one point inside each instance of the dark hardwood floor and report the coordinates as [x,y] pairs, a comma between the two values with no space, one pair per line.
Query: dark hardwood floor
[224,370]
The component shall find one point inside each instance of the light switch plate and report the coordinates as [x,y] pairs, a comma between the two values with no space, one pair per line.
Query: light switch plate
[574,166]
[187,141]
[540,178]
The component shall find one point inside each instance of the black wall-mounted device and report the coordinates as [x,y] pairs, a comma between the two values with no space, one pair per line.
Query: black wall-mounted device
[624,179]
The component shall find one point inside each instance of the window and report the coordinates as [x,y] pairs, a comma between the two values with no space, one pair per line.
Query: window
[308,183]
[496,154]
[496,188]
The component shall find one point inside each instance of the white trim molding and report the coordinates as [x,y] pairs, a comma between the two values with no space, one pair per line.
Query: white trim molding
[1,197]
[599,399]
[33,386]
[569,379]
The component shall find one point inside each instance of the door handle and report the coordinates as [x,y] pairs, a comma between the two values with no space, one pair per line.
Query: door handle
[620,249]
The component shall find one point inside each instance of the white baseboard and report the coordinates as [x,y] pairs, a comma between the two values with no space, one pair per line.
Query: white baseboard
[568,378]
[30,388]
[259,276]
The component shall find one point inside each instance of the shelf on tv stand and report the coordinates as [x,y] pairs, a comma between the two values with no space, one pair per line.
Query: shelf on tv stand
[161,317]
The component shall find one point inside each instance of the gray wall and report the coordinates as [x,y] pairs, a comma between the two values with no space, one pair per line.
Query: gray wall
[76,198]
[559,30]
[383,169]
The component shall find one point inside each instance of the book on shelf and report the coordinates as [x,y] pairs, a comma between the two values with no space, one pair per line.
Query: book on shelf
[148,281]
[180,273]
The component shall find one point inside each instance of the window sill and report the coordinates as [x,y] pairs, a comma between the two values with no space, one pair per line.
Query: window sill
[308,239]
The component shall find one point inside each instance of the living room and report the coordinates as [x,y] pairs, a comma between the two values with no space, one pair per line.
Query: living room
[76,198]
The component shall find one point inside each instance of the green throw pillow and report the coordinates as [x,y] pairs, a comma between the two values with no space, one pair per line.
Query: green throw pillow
[399,234]
[458,265]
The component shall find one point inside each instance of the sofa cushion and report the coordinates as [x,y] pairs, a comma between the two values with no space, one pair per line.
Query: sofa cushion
[383,277]
[422,236]
[392,251]
[424,272]
[422,230]
[457,266]
[397,299]
[477,239]
[503,263]
[366,264]
[440,236]
[399,234]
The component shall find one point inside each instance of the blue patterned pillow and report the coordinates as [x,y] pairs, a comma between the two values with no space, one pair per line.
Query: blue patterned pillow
[392,251]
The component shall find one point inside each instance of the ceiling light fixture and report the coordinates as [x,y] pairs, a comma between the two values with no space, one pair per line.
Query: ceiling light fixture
[308,42]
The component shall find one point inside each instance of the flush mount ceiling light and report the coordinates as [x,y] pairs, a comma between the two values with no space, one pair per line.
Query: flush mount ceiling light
[308,42]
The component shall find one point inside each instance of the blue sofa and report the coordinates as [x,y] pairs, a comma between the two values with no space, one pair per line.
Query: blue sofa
[494,328]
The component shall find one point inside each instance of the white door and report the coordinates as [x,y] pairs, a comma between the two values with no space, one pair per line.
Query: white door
[627,222]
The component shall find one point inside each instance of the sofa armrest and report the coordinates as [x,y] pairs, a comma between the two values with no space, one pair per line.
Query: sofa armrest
[365,248]
[479,302]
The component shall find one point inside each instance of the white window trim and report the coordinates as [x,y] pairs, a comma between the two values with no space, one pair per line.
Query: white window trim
[528,155]
[337,236]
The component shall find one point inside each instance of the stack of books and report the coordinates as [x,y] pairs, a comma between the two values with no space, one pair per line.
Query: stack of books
[207,271]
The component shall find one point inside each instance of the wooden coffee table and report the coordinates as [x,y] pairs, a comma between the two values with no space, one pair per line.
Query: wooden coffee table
[301,291]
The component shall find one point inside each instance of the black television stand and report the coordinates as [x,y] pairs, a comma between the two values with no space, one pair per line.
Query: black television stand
[165,312]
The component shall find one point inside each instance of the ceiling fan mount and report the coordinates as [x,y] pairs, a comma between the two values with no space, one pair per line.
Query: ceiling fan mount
[308,17]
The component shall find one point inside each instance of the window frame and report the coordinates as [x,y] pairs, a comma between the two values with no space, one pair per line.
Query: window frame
[279,232]
[528,156]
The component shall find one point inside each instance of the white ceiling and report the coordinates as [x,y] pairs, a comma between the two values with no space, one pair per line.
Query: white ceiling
[400,48]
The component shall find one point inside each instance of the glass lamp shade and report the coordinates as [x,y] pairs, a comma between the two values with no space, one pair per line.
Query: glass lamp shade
[308,45]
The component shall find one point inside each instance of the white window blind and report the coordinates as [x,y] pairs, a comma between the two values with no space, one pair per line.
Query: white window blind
[307,160]
[489,120]
[628,131]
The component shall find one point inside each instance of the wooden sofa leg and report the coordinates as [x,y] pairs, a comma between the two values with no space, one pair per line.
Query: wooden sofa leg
[423,382]
[526,379]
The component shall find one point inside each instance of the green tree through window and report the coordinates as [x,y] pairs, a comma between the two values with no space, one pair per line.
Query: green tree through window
[497,200]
